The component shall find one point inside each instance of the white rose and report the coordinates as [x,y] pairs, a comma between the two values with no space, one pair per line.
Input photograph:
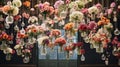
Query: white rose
[15,11]
[17,3]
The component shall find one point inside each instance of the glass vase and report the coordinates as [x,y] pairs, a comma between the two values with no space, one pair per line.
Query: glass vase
[3,46]
[67,55]
[119,62]
[18,51]
[26,59]
[8,57]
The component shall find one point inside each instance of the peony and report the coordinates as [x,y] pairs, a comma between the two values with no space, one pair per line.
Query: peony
[93,9]
[17,3]
[76,16]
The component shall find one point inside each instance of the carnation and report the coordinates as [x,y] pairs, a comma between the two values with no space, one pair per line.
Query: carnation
[17,3]
[76,16]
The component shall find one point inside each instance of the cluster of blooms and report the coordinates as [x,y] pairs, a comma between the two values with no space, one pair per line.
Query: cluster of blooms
[46,8]
[12,8]
[116,46]
[34,30]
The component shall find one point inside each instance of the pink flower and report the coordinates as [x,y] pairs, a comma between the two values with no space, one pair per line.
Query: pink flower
[79,44]
[92,25]
[112,5]
[109,11]
[84,10]
[98,5]
[118,45]
[58,3]
[67,1]
[82,27]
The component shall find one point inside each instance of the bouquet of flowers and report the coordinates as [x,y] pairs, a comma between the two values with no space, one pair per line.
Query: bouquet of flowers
[18,49]
[32,20]
[32,30]
[76,16]
[46,9]
[103,21]
[11,8]
[8,51]
[60,41]
[55,33]
[44,41]
[69,28]
[26,53]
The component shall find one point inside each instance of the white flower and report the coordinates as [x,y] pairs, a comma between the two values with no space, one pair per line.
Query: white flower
[76,16]
[40,40]
[73,5]
[93,9]
[15,11]
[17,3]
[33,19]
[8,50]
[18,46]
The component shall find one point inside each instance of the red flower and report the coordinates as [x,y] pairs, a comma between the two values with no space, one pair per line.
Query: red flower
[60,41]
[92,25]
[16,18]
[79,44]
[82,51]
[82,27]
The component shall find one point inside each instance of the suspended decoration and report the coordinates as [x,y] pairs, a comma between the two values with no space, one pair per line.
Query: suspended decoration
[94,24]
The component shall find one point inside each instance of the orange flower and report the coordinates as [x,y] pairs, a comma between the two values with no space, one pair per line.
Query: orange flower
[5,36]
[69,26]
[103,21]
[6,8]
[26,3]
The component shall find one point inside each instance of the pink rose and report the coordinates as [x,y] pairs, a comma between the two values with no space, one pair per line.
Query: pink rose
[112,5]
[109,11]
[98,5]
[92,25]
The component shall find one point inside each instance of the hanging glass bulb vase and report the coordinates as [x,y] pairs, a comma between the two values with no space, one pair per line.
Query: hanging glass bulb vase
[117,32]
[19,51]
[26,59]
[119,62]
[3,45]
[82,57]
[8,57]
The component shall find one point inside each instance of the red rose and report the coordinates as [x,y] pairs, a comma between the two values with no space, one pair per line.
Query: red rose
[82,51]
[82,27]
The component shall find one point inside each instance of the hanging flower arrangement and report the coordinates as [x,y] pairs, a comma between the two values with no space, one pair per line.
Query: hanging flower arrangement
[60,42]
